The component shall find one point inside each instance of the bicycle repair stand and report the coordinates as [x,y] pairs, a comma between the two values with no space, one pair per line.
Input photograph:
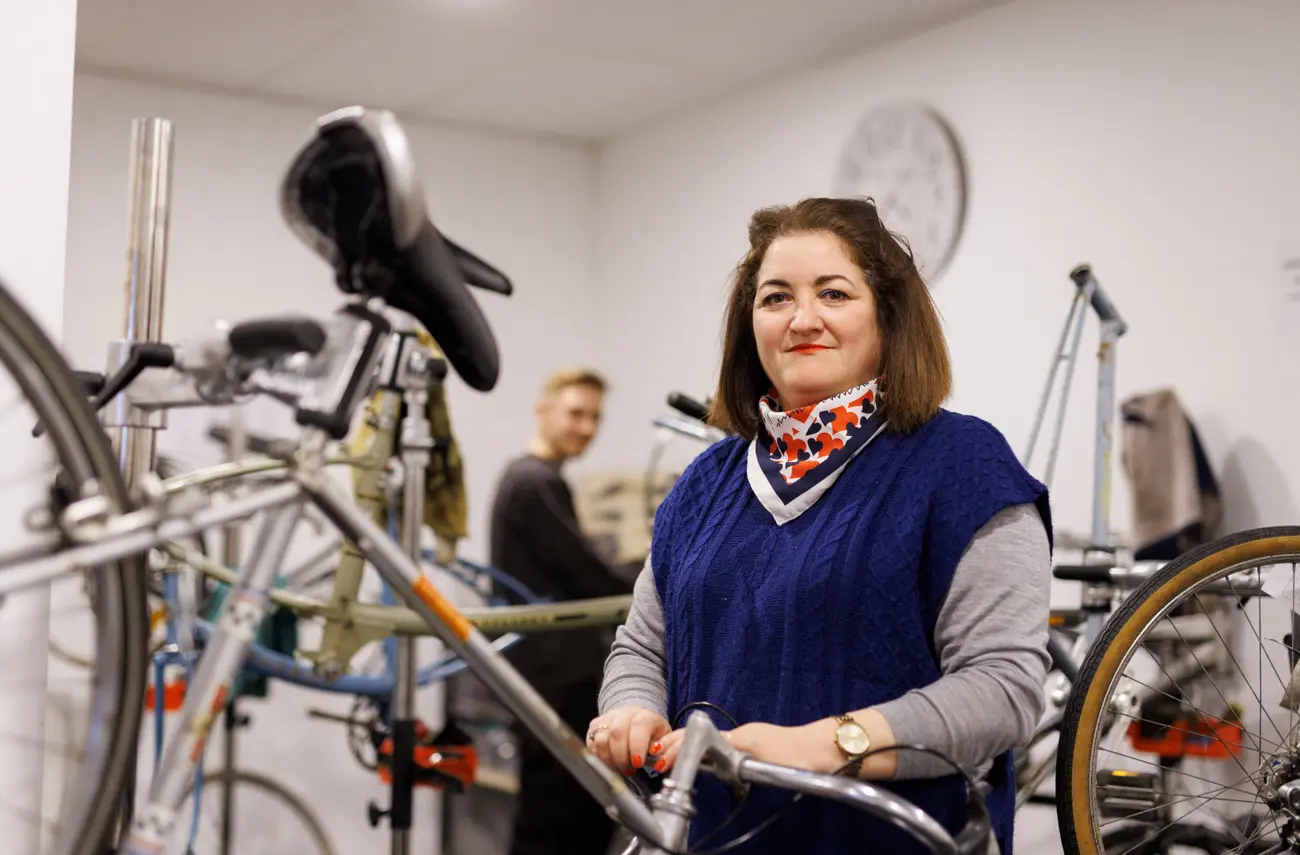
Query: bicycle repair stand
[132,433]
[1088,293]
[406,374]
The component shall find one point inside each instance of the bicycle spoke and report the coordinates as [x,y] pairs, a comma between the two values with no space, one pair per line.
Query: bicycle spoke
[1263,739]
[1168,825]
[1171,727]
[1235,758]
[1291,711]
[1262,652]
[1207,796]
[1215,684]
[1184,774]
[1264,830]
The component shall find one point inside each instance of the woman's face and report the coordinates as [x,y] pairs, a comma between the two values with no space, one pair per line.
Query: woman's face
[814,319]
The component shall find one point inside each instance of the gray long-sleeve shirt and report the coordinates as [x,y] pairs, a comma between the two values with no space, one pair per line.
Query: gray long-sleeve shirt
[991,640]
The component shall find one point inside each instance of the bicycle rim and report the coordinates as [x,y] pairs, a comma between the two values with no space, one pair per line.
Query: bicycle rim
[91,805]
[1112,651]
[268,792]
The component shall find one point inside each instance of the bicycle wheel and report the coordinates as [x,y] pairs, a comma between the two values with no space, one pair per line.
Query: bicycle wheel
[1144,716]
[268,818]
[74,452]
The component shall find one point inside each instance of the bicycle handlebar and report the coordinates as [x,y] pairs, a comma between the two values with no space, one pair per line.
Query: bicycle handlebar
[704,749]
[688,406]
[689,427]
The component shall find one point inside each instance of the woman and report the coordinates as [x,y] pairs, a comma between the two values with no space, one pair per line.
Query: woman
[854,568]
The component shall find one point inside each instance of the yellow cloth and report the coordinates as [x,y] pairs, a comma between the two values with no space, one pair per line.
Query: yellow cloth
[445,500]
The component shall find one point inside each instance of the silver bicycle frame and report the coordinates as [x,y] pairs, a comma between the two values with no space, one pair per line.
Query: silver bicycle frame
[1089,293]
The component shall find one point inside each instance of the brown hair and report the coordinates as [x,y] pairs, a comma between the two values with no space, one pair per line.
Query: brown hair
[916,375]
[566,377]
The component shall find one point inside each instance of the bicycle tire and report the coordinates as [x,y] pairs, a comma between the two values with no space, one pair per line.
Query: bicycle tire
[275,790]
[1111,651]
[85,455]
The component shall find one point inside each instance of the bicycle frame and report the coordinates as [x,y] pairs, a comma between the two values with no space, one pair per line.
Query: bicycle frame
[1089,293]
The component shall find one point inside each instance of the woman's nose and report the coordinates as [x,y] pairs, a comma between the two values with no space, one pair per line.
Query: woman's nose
[806,318]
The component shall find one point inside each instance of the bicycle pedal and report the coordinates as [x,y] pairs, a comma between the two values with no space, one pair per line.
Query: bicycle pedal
[1122,794]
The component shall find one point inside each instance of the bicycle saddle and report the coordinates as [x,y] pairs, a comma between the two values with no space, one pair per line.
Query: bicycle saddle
[353,196]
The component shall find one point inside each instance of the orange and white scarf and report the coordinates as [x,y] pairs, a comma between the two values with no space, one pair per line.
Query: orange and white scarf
[800,453]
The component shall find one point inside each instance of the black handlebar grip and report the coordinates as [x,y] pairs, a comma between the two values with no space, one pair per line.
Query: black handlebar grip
[688,406]
[1082,573]
[267,338]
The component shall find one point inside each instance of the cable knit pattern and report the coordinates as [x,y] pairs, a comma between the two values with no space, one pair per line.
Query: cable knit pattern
[834,611]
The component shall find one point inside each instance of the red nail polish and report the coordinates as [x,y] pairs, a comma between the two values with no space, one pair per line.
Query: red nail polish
[636,760]
[657,748]
[659,765]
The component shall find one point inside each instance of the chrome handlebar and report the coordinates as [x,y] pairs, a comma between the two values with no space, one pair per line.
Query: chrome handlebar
[704,749]
[360,349]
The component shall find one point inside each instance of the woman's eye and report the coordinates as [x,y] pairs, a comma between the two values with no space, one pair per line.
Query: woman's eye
[774,297]
[834,294]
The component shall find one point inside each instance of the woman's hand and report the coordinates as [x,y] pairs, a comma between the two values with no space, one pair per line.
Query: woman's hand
[622,737]
[810,746]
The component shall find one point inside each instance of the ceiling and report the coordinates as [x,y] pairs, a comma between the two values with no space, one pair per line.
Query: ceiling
[574,68]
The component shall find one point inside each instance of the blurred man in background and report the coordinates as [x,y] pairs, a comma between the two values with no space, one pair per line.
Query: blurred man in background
[535,538]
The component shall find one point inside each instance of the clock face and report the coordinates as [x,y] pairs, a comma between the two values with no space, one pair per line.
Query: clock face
[906,158]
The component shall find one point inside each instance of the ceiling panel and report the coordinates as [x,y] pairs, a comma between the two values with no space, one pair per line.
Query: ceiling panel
[231,43]
[400,58]
[563,94]
[583,68]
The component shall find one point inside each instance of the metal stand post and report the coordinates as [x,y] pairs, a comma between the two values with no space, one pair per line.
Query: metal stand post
[132,432]
[409,370]
[232,557]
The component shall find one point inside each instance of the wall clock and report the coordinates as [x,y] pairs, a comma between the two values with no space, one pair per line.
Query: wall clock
[906,158]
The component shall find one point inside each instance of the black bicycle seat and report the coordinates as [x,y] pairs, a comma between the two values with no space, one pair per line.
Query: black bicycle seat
[353,196]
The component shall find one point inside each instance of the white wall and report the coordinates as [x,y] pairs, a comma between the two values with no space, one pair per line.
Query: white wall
[525,205]
[1155,139]
[36,65]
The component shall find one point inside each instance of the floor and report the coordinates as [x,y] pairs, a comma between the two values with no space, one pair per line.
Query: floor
[1037,832]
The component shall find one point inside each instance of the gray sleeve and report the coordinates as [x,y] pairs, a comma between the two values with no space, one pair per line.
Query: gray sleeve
[991,639]
[635,672]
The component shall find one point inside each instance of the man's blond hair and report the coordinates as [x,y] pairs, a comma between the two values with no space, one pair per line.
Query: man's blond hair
[574,376]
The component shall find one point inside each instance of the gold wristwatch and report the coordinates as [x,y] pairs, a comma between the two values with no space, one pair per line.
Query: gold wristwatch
[852,740]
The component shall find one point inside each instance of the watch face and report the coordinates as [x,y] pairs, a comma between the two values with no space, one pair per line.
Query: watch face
[852,738]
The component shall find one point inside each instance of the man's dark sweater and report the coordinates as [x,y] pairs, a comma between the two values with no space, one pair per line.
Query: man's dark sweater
[535,538]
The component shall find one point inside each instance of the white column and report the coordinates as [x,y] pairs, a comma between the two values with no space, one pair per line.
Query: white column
[37,49]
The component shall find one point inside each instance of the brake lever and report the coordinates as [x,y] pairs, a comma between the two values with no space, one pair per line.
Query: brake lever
[141,355]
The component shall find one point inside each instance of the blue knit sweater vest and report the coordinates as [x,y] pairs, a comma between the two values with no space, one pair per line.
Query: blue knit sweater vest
[832,612]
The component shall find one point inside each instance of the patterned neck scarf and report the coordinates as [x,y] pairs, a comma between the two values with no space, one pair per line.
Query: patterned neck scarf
[799,453]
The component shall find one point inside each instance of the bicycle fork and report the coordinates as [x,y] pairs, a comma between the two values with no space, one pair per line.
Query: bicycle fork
[219,666]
